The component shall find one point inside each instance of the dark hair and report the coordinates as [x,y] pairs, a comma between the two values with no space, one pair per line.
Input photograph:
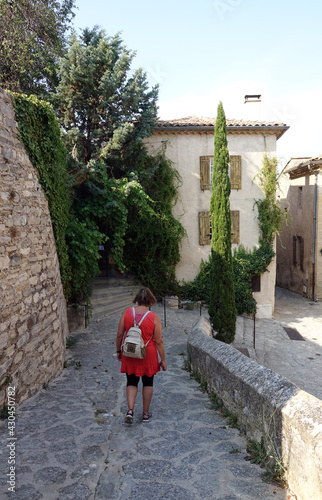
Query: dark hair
[145,297]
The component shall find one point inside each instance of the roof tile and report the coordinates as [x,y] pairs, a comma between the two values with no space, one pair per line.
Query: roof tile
[202,121]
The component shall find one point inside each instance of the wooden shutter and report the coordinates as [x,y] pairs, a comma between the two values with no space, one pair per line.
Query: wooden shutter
[204,228]
[234,226]
[294,250]
[301,244]
[205,172]
[235,172]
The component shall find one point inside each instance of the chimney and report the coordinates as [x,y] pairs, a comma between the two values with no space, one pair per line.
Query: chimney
[253,107]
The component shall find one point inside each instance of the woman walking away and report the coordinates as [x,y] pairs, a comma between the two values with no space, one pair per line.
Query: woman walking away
[150,365]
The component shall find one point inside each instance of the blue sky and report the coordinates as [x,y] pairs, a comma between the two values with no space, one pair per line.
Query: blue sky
[206,51]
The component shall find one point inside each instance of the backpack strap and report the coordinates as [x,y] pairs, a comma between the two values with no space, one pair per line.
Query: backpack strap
[143,317]
[149,340]
[135,324]
[133,313]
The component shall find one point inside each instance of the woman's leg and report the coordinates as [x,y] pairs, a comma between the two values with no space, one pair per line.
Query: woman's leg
[147,392]
[131,390]
[131,393]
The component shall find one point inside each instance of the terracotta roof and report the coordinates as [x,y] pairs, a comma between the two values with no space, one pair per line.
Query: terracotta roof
[204,120]
[206,123]
[294,162]
[315,159]
[297,167]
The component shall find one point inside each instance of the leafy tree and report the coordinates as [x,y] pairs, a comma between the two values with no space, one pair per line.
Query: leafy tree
[105,108]
[107,202]
[222,309]
[32,38]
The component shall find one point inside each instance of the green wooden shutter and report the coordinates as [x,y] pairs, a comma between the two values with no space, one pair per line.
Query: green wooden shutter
[205,172]
[234,226]
[235,172]
[204,228]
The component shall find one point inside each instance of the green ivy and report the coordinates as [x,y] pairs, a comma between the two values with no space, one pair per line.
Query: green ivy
[153,236]
[247,264]
[83,238]
[40,134]
[199,288]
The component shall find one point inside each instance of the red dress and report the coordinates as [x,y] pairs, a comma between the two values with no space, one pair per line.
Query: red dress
[150,364]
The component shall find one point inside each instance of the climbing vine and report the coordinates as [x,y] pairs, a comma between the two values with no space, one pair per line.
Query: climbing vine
[39,132]
[270,215]
[155,234]
[248,263]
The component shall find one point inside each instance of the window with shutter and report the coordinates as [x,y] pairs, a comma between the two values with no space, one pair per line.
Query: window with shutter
[205,172]
[294,250]
[204,228]
[301,245]
[206,163]
[235,172]
[234,226]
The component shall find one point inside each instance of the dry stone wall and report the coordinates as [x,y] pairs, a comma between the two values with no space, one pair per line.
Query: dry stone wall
[33,321]
[267,405]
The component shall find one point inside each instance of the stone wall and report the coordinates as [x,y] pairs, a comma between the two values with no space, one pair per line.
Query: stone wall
[33,321]
[267,405]
[297,197]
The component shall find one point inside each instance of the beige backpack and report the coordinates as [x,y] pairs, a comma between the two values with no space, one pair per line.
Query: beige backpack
[133,345]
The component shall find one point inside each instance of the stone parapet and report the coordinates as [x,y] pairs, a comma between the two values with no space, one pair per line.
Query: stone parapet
[33,320]
[267,405]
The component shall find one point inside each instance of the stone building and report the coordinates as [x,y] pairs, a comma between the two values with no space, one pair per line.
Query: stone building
[33,320]
[190,146]
[299,249]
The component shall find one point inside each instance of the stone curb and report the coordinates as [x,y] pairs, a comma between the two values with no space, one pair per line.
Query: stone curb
[266,405]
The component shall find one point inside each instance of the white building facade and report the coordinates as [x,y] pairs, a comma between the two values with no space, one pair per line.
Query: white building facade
[190,146]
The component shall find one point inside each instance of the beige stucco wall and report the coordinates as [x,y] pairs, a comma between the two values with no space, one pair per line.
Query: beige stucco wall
[300,224]
[185,149]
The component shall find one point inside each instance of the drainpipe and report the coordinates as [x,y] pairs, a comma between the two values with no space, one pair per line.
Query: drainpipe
[314,233]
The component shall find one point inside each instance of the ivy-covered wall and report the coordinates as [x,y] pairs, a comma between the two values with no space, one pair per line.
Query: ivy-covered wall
[40,133]
[33,321]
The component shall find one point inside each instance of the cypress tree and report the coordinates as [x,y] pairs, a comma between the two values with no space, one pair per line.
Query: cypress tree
[222,309]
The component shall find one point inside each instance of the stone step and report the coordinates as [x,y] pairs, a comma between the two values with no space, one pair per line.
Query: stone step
[109,309]
[105,300]
[115,282]
[99,294]
[111,296]
[103,306]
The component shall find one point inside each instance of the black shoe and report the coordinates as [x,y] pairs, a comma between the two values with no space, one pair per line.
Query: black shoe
[129,417]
